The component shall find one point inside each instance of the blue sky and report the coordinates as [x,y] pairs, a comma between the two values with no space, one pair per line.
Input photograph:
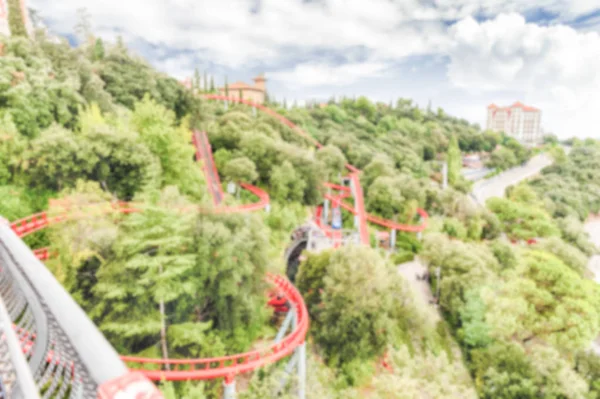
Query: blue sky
[461,55]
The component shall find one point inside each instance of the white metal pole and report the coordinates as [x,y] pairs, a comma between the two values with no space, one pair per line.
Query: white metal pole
[301,350]
[229,388]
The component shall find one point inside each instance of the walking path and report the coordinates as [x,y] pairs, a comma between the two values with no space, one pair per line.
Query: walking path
[482,190]
[412,271]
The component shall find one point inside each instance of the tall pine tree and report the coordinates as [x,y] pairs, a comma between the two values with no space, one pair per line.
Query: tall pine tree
[196,84]
[454,161]
[16,21]
[150,272]
[99,50]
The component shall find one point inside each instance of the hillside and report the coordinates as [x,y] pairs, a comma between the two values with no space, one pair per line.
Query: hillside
[97,124]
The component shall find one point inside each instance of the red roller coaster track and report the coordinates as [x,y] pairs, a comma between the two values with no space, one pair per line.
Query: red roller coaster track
[193,369]
[228,366]
[359,208]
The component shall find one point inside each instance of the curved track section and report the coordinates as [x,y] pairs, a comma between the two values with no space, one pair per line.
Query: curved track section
[359,208]
[292,258]
[193,369]
[226,366]
[204,154]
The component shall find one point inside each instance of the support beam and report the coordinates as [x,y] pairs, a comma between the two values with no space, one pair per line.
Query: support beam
[285,325]
[289,367]
[392,240]
[229,388]
[301,353]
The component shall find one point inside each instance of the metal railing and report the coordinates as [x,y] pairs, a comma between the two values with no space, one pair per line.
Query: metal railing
[16,380]
[54,350]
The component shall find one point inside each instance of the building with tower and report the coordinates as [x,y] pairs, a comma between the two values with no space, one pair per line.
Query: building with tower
[4,15]
[255,93]
[520,121]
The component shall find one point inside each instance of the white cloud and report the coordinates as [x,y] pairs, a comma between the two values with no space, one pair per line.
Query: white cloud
[311,74]
[232,35]
[556,67]
[345,42]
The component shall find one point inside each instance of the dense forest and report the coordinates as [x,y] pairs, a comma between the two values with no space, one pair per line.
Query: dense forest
[97,124]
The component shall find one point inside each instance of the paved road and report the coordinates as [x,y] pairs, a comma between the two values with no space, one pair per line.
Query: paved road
[496,186]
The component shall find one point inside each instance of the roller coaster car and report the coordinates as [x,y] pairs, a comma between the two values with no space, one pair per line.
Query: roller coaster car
[279,303]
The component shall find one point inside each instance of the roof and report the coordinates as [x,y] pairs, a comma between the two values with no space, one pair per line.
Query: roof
[523,106]
[260,77]
[240,86]
[517,104]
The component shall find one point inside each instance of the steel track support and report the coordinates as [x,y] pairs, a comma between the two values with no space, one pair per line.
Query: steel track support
[392,240]
[285,325]
[226,105]
[353,191]
[289,367]
[301,353]
[297,361]
[229,388]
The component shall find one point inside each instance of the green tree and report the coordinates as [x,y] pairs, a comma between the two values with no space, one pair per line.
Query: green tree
[15,204]
[546,302]
[285,184]
[170,143]
[240,170]
[521,220]
[503,158]
[197,81]
[16,22]
[84,26]
[12,145]
[351,324]
[98,50]
[332,159]
[151,253]
[58,158]
[454,161]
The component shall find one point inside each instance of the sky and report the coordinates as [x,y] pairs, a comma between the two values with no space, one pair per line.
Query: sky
[460,55]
